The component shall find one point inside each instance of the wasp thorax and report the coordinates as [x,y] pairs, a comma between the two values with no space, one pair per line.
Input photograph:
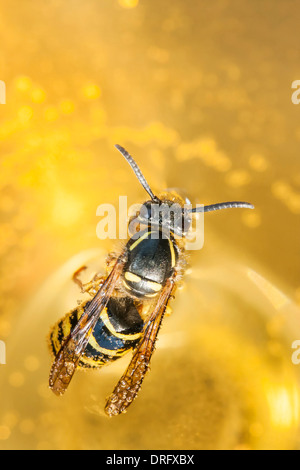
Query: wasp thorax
[168,216]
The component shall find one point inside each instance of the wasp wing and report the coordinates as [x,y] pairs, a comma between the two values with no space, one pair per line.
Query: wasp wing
[130,383]
[67,358]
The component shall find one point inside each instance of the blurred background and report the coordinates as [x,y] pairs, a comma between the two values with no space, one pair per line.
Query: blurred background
[200,94]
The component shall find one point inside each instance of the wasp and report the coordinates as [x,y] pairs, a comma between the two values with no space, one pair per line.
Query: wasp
[128,304]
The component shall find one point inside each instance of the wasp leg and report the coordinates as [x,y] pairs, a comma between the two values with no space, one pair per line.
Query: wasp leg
[94,285]
[91,287]
[76,279]
[111,258]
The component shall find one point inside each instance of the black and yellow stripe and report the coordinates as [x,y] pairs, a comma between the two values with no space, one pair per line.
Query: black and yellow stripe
[118,330]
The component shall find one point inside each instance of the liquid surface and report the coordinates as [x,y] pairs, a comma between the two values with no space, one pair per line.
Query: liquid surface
[200,94]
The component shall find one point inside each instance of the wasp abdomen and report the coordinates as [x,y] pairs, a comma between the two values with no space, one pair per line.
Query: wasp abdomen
[118,330]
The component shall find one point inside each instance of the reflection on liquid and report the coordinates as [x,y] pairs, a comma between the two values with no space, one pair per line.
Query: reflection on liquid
[275,296]
[196,112]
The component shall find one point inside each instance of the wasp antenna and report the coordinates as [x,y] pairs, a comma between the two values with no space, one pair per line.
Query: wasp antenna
[137,171]
[223,205]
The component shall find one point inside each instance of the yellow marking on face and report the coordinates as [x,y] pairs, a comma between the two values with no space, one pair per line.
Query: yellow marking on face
[132,277]
[110,327]
[173,257]
[139,240]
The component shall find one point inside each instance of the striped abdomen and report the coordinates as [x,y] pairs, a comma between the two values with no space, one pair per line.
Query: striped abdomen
[118,330]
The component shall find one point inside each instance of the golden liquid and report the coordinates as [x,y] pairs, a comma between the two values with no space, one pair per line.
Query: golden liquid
[201,98]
